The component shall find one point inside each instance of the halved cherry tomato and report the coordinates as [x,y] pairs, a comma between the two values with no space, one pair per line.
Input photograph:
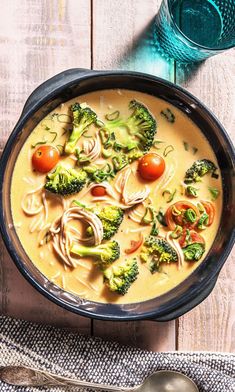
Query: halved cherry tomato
[172,219]
[135,245]
[210,210]
[151,166]
[98,191]
[194,237]
[45,158]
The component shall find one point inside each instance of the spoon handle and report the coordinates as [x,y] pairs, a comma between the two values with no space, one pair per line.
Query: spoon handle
[26,376]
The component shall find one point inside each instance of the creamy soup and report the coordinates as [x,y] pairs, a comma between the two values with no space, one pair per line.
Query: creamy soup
[155,195]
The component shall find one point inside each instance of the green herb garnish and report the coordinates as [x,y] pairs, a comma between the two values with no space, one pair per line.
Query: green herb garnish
[190,215]
[191,191]
[168,149]
[214,193]
[167,113]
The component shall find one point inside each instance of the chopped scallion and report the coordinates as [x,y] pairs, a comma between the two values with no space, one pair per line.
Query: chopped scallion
[112,116]
[214,193]
[168,149]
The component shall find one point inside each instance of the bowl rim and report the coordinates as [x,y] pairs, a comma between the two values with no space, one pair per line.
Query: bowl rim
[191,292]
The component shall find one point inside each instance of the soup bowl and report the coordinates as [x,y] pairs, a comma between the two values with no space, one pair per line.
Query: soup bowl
[195,287]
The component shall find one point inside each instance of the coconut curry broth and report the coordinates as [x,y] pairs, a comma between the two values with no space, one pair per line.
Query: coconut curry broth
[86,280]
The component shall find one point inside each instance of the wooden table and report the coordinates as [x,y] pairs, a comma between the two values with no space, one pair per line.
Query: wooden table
[39,38]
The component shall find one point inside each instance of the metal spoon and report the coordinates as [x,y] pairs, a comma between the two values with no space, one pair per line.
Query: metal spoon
[161,381]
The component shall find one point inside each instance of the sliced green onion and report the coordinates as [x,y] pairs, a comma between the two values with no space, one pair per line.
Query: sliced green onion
[191,191]
[188,237]
[167,113]
[168,149]
[112,116]
[156,144]
[214,193]
[155,229]
[86,136]
[106,153]
[203,221]
[185,146]
[38,143]
[193,252]
[177,232]
[200,207]
[170,193]
[54,137]
[175,211]
[47,128]
[190,215]
[77,203]
[100,123]
[118,146]
[148,216]
[62,117]
[161,217]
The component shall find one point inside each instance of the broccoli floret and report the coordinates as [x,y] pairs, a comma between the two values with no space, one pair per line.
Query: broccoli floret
[119,278]
[141,124]
[199,169]
[156,251]
[104,254]
[111,218]
[140,129]
[82,118]
[65,181]
[193,252]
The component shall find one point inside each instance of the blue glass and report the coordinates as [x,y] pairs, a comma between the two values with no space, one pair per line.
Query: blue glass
[192,30]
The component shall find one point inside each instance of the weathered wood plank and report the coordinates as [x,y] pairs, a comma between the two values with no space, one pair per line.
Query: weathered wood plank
[210,326]
[37,40]
[123,39]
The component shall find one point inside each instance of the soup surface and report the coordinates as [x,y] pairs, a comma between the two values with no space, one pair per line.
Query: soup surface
[170,217]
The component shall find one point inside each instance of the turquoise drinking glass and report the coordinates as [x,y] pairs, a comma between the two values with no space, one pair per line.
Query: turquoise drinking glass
[193,30]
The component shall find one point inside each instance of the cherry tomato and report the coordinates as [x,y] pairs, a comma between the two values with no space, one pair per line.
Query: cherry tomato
[210,210]
[173,219]
[151,166]
[193,237]
[45,158]
[98,191]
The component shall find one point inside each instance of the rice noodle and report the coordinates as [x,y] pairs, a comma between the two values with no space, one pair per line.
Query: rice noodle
[167,177]
[87,284]
[129,200]
[29,180]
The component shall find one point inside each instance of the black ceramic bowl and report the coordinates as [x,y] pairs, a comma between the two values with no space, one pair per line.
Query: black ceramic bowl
[199,284]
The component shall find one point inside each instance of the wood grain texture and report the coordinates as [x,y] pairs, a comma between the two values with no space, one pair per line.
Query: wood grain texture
[37,40]
[211,325]
[123,39]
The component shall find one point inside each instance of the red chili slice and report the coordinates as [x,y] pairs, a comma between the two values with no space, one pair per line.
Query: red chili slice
[134,245]
[194,237]
[210,210]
